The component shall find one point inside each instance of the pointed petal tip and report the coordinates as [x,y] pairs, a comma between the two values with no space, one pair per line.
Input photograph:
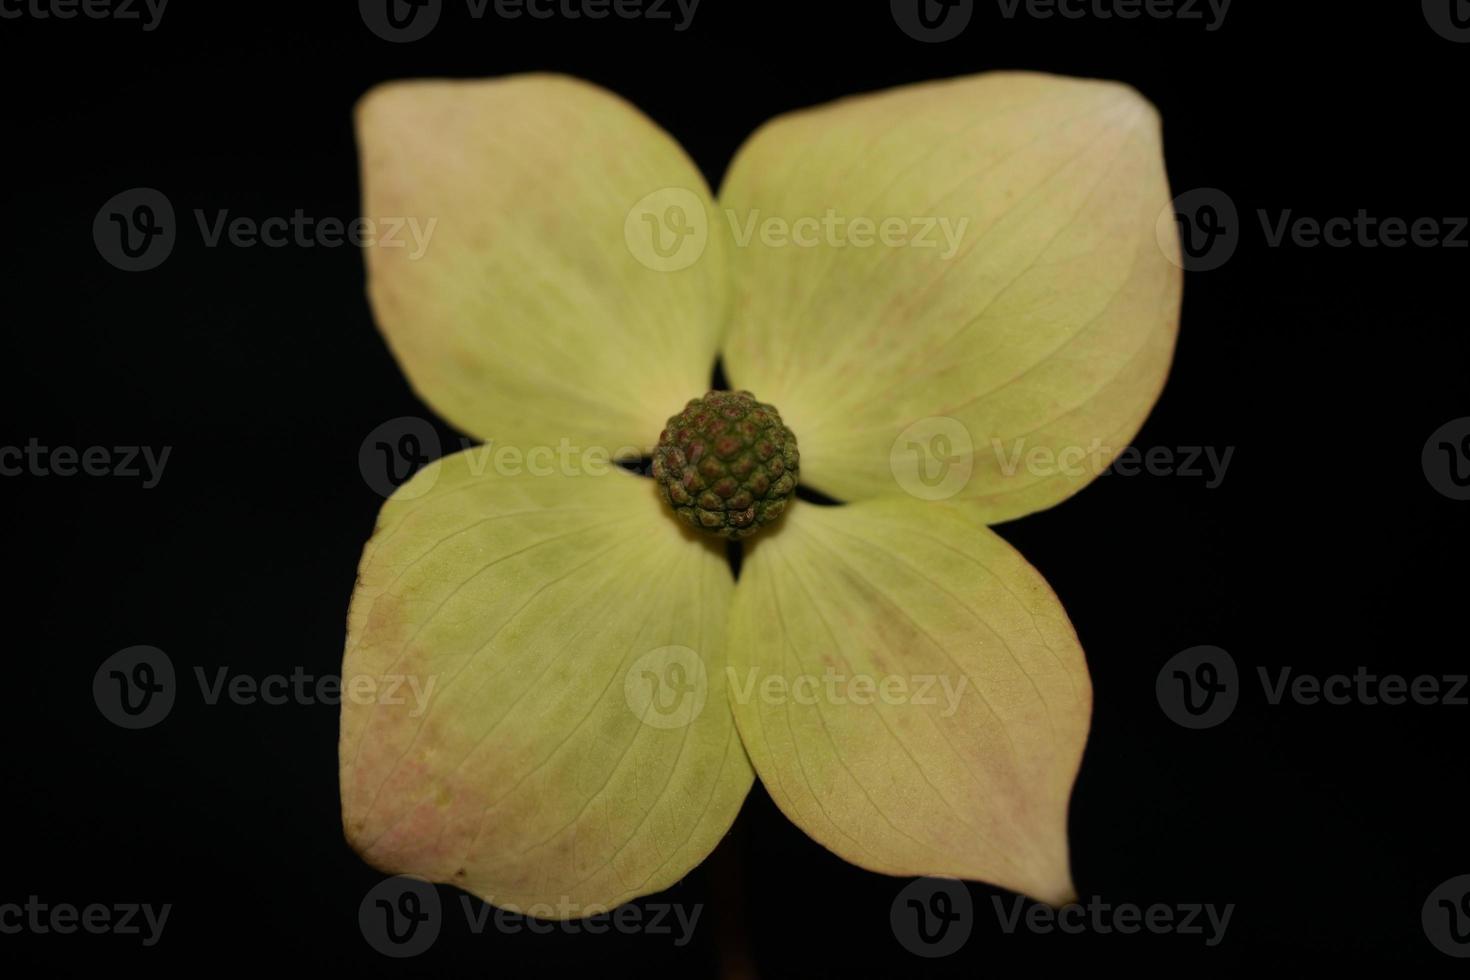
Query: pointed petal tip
[1057,895]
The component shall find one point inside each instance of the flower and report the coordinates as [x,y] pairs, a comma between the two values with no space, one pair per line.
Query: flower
[907,687]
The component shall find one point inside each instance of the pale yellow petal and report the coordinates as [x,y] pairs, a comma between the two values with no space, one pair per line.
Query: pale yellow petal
[1007,336]
[911,693]
[529,309]
[541,717]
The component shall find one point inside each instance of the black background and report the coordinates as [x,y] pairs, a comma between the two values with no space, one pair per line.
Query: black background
[1324,548]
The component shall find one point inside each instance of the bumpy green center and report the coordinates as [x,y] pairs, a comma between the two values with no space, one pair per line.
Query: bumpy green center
[727,464]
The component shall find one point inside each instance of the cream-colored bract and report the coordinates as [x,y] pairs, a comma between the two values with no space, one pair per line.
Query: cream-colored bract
[906,685]
[1043,325]
[526,319]
[519,604]
[947,697]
